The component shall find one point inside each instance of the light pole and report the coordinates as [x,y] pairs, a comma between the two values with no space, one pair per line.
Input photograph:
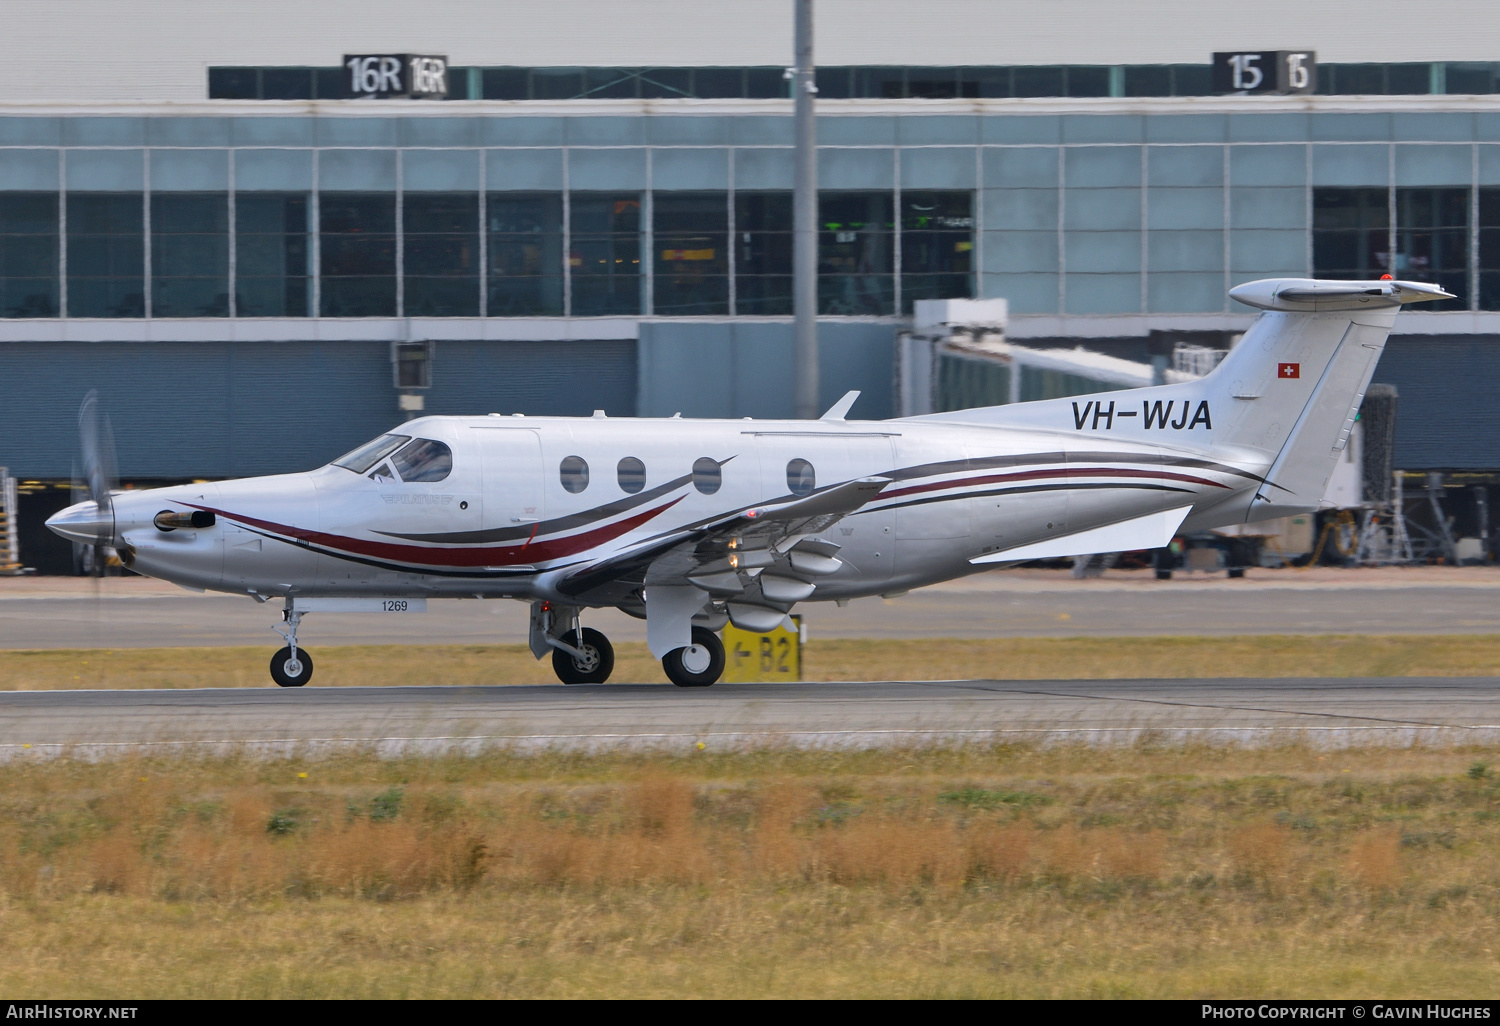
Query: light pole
[805,216]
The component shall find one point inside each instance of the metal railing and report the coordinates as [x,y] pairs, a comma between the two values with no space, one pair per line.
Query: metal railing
[10,542]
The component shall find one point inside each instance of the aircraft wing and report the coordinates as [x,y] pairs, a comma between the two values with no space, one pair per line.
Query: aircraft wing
[722,555]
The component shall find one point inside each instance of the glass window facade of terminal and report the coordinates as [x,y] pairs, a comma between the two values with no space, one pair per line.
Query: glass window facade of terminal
[525,238]
[1351,233]
[937,245]
[691,247]
[763,252]
[274,272]
[362,260]
[604,254]
[106,254]
[1354,236]
[190,254]
[357,244]
[677,215]
[856,254]
[440,258]
[1489,249]
[28,254]
[1432,240]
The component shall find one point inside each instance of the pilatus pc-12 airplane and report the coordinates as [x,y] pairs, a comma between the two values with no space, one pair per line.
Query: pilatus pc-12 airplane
[692,523]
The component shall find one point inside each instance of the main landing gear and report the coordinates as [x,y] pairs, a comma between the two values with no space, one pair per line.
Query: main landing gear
[582,655]
[699,664]
[292,667]
[589,658]
[585,656]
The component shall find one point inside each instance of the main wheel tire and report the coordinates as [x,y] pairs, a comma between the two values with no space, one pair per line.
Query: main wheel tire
[289,673]
[595,669]
[698,665]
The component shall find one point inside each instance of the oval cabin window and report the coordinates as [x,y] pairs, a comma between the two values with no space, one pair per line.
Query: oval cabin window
[574,472]
[632,475]
[706,475]
[799,477]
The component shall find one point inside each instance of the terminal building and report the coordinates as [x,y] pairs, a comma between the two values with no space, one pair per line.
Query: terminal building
[258,269]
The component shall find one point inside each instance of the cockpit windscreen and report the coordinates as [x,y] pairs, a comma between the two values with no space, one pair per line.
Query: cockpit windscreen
[371,453]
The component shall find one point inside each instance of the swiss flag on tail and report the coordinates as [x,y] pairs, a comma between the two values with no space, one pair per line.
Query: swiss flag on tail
[1288,370]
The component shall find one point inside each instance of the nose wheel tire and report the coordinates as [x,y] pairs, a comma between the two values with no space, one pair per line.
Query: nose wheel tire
[596,666]
[289,672]
[699,664]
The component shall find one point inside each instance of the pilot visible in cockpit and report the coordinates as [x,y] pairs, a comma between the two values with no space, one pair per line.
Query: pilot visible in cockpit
[415,460]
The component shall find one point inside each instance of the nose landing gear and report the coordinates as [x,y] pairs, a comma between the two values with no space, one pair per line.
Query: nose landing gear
[291,667]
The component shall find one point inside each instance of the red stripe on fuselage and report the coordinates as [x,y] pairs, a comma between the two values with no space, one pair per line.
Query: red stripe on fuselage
[1033,475]
[508,555]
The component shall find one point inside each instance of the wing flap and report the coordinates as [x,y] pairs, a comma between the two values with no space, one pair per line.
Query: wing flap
[1151,531]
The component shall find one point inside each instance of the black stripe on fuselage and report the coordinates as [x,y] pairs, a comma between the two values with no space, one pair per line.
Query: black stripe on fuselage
[1019,489]
[1045,458]
[547,527]
[589,516]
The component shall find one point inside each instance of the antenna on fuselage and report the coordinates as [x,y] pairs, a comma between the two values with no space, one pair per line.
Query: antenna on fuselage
[838,410]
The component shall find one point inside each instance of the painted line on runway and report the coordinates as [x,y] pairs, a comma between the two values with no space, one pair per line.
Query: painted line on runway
[766,734]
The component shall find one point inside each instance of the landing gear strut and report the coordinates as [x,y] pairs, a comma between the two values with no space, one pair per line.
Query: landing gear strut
[699,664]
[292,667]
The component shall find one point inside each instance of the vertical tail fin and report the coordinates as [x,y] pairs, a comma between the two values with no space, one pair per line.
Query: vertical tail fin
[1293,385]
[1285,397]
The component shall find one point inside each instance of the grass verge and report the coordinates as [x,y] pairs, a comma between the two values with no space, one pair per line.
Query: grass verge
[837,659]
[978,871]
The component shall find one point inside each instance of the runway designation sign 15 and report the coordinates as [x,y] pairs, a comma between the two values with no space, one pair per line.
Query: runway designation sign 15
[775,655]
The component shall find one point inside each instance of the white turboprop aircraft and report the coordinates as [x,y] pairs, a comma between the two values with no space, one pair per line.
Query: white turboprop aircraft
[689,523]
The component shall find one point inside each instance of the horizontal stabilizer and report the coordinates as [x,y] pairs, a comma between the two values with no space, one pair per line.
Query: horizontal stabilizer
[1151,531]
[1309,295]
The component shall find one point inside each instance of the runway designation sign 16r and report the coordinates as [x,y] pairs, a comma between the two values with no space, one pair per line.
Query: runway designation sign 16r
[775,655]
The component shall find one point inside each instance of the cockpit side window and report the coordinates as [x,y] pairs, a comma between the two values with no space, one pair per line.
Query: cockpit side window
[423,460]
[371,453]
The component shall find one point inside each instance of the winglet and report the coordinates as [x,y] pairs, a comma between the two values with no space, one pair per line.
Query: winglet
[838,409]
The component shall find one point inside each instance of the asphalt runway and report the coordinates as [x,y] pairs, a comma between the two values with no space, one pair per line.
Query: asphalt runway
[42,613]
[857,715]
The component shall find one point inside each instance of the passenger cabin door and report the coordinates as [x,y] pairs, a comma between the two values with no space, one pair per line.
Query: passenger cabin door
[512,459]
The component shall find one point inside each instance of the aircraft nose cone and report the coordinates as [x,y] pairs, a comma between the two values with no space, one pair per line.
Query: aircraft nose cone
[84,522]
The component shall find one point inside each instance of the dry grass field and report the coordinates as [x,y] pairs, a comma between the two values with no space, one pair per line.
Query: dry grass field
[1003,871]
[935,659]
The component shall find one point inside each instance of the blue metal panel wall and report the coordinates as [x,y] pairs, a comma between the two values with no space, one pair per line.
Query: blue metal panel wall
[1448,414]
[217,409]
[745,368]
[558,379]
[191,409]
